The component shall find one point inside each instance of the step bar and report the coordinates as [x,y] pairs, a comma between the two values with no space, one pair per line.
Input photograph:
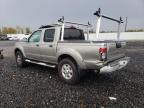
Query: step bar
[40,63]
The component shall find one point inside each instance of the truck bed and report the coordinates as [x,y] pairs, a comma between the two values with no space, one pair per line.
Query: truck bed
[89,50]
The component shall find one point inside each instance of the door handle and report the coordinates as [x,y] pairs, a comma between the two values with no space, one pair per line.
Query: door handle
[37,45]
[50,46]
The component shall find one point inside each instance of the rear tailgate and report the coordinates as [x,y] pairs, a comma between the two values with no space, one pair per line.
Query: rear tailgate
[115,50]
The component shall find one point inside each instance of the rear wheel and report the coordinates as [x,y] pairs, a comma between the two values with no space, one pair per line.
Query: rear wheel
[20,61]
[68,71]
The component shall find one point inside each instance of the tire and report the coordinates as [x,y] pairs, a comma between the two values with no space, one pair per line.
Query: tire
[83,73]
[20,61]
[1,56]
[68,71]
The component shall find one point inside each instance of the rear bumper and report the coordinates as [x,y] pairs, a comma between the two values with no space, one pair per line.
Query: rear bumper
[115,65]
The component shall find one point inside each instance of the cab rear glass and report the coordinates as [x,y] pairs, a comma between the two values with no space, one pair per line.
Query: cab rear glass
[73,34]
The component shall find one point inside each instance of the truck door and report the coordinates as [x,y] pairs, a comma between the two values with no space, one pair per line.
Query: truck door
[48,46]
[32,47]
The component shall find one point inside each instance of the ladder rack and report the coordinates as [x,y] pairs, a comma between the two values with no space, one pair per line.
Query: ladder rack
[100,16]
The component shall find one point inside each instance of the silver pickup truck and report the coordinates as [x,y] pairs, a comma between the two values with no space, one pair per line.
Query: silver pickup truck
[68,49]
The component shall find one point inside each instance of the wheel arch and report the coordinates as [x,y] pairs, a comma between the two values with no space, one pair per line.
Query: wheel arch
[63,56]
[75,58]
[18,49]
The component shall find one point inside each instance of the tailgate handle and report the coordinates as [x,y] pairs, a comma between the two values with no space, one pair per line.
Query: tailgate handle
[118,44]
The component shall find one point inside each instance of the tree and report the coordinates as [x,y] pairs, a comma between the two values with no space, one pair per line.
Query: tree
[11,30]
[0,31]
[18,29]
[27,30]
[8,30]
[22,30]
[135,30]
[4,30]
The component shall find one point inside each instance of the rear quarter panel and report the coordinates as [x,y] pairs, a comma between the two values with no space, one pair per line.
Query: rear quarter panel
[81,52]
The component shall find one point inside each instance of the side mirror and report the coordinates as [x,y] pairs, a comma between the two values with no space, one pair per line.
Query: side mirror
[24,40]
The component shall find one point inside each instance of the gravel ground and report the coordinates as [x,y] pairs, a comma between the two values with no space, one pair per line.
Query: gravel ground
[40,87]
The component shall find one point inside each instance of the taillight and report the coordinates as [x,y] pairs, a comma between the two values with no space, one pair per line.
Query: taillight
[103,54]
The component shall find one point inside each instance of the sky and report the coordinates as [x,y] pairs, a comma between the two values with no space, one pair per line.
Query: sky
[34,13]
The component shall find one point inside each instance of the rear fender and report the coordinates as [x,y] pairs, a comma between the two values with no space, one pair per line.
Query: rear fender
[74,54]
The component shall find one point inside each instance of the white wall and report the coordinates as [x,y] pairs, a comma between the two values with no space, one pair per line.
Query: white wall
[102,36]
[123,36]
[19,36]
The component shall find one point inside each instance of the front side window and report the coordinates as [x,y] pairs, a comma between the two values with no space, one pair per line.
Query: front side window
[49,35]
[35,37]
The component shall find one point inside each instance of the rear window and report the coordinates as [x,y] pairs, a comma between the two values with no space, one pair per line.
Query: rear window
[73,34]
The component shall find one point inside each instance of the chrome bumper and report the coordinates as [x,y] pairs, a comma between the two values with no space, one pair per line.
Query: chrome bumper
[116,65]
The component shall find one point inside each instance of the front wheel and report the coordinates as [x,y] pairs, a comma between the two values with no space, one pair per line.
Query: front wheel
[20,59]
[68,71]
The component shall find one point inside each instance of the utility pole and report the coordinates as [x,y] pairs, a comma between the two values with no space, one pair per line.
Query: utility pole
[126,24]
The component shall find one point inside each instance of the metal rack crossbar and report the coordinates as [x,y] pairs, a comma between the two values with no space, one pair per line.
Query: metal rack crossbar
[100,15]
[61,20]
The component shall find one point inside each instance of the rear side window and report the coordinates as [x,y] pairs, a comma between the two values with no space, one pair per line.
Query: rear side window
[73,34]
[49,35]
